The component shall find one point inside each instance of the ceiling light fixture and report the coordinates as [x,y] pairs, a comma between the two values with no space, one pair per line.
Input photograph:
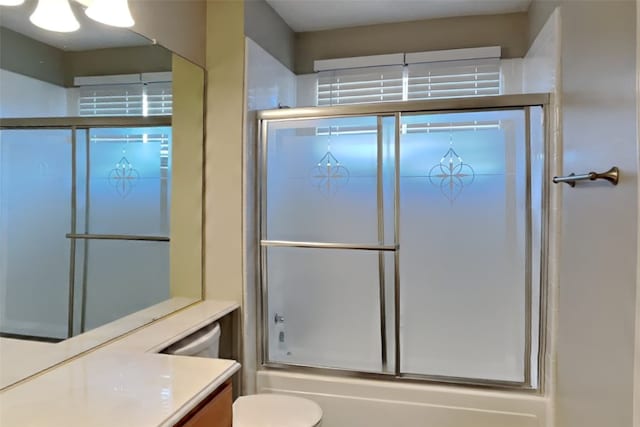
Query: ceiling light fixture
[11,2]
[55,15]
[111,12]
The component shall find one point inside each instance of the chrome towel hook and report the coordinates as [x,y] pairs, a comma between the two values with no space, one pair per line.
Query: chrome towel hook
[612,175]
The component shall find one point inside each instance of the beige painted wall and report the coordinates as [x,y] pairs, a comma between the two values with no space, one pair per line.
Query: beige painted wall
[265,27]
[23,55]
[211,33]
[187,183]
[539,12]
[121,60]
[224,136]
[507,30]
[179,25]
[29,57]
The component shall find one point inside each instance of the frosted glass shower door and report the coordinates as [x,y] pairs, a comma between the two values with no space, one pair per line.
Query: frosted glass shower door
[123,199]
[35,212]
[465,236]
[323,233]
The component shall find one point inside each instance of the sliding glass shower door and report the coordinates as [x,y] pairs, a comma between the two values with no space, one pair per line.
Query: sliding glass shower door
[35,211]
[406,244]
[84,225]
[324,242]
[123,185]
[466,227]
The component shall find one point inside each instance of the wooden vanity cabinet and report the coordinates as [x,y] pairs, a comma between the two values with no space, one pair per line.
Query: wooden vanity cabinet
[213,411]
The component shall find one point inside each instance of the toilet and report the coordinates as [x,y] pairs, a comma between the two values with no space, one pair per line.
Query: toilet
[258,410]
[275,410]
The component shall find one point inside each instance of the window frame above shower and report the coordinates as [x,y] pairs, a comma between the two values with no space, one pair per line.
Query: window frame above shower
[445,105]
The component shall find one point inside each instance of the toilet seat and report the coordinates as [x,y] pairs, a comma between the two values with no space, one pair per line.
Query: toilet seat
[275,410]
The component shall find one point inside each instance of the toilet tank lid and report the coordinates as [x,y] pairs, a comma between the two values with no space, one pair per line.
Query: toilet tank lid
[266,410]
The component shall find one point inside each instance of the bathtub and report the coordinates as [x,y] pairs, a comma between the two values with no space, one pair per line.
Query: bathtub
[351,402]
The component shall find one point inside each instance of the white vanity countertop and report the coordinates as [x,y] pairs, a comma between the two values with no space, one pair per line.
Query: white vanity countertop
[17,357]
[107,388]
[20,359]
[123,383]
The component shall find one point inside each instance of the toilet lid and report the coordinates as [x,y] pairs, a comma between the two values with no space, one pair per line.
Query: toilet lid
[275,410]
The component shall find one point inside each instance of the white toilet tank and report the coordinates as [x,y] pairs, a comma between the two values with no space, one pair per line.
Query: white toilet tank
[203,343]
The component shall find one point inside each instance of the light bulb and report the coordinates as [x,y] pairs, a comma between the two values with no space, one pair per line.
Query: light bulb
[55,15]
[111,12]
[11,2]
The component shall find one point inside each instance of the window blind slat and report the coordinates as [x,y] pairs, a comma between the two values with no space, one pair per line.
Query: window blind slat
[452,79]
[126,100]
[360,86]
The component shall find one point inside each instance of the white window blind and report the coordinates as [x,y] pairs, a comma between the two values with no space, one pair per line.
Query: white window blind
[360,86]
[453,79]
[112,100]
[150,99]
[159,99]
[415,81]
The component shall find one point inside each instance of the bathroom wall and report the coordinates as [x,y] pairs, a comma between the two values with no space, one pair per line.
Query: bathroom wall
[117,60]
[506,30]
[187,165]
[176,24]
[29,57]
[596,287]
[23,96]
[267,29]
[179,25]
[225,130]
[541,64]
[268,84]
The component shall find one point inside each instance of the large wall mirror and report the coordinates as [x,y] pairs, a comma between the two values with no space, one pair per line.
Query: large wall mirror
[101,158]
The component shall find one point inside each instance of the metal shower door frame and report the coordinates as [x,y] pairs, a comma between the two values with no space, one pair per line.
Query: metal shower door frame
[397,110]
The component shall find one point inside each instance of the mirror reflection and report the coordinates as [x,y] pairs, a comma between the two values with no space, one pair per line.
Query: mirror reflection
[100,179]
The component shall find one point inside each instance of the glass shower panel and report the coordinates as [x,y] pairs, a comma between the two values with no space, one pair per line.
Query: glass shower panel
[35,212]
[323,308]
[127,181]
[321,180]
[123,277]
[463,245]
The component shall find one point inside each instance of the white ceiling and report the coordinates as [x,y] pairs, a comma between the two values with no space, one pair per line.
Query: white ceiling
[91,35]
[314,15]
